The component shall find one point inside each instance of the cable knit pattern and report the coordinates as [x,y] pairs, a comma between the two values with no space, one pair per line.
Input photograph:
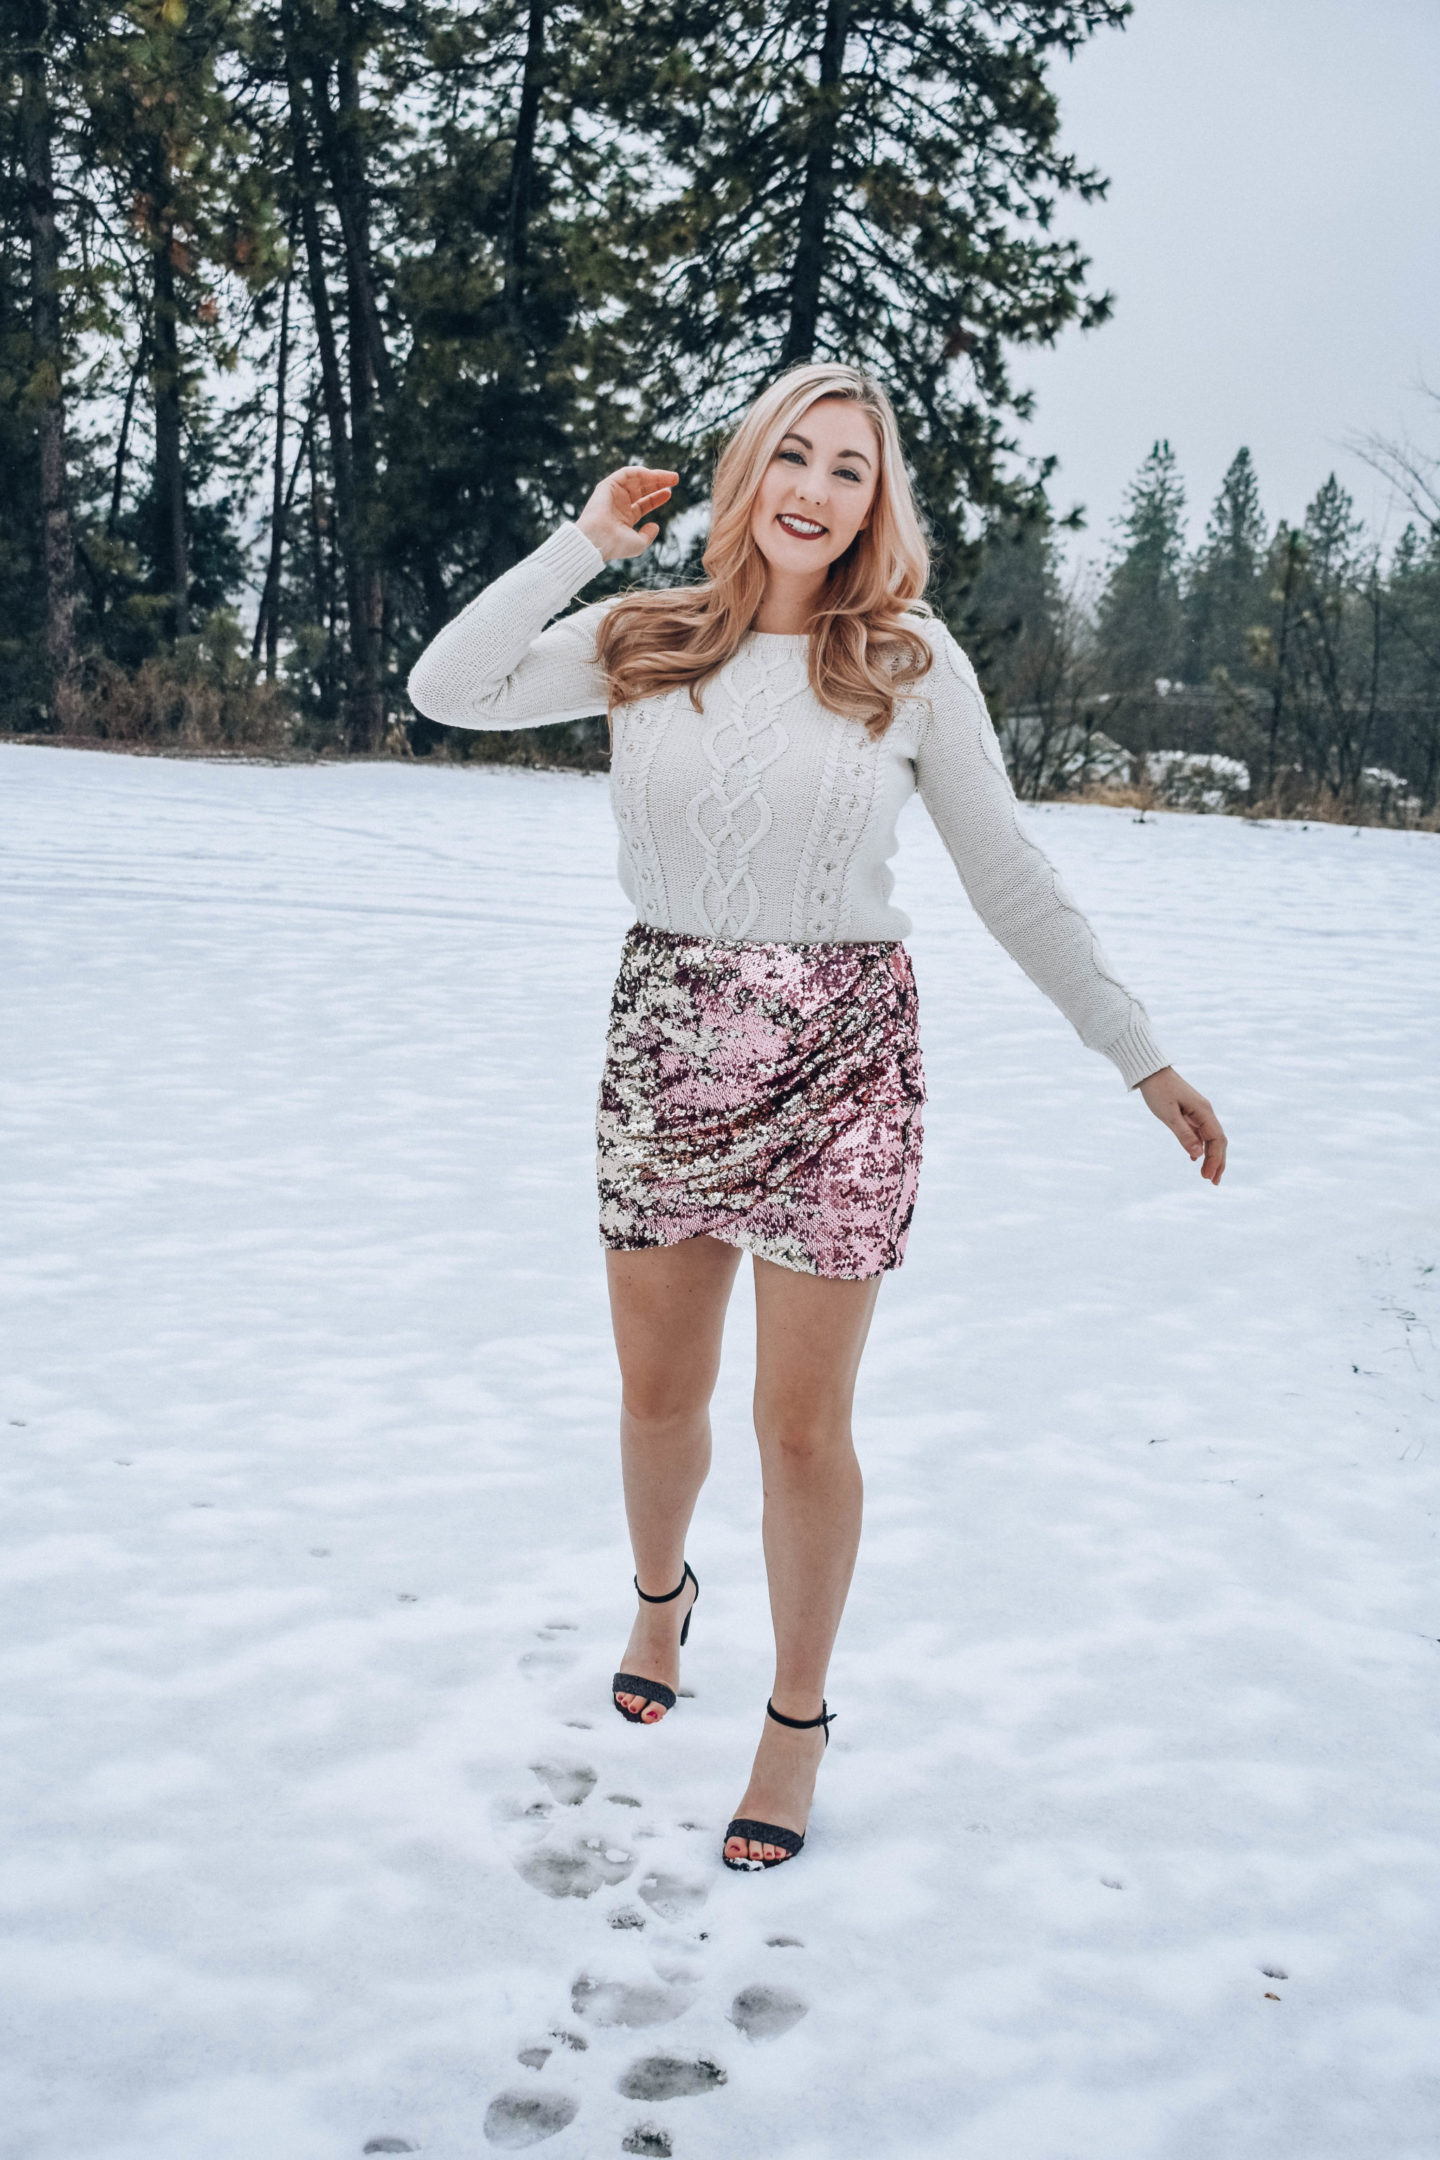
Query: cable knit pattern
[765,816]
[731,814]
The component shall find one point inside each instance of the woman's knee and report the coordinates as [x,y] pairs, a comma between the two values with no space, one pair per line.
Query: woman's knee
[657,1404]
[802,1442]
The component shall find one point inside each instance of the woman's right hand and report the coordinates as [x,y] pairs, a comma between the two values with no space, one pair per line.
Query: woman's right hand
[608,520]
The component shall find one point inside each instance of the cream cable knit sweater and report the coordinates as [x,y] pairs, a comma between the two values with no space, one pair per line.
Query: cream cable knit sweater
[769,817]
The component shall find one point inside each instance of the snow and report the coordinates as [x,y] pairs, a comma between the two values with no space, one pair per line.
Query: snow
[313,1545]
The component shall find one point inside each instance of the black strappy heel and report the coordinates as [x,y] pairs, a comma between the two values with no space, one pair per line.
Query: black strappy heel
[655,1691]
[768,1833]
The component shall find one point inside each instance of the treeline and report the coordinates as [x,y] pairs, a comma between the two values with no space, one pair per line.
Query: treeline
[316,314]
[1293,670]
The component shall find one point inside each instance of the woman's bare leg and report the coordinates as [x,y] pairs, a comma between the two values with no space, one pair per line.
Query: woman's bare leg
[810,1332]
[667,1305]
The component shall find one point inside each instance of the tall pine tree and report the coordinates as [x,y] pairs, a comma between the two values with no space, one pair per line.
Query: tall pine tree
[172,212]
[1139,625]
[864,180]
[1226,589]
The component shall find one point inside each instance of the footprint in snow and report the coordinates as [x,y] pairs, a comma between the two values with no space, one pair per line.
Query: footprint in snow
[649,2139]
[763,2013]
[670,2077]
[516,2119]
[627,1917]
[575,1871]
[388,2145]
[630,2002]
[671,1896]
[623,1799]
[569,1783]
[535,2058]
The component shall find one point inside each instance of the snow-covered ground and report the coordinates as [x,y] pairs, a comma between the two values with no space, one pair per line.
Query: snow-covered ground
[1126,1846]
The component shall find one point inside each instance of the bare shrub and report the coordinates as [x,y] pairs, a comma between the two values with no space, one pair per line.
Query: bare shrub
[205,694]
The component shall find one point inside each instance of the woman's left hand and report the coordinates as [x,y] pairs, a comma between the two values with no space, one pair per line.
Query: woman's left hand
[1191,1119]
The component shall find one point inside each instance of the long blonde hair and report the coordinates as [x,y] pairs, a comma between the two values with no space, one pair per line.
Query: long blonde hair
[863,652]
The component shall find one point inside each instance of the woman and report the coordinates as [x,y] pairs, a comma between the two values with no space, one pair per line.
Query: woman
[762,1081]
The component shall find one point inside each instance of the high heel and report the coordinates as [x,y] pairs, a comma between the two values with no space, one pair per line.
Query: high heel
[766,1833]
[654,1691]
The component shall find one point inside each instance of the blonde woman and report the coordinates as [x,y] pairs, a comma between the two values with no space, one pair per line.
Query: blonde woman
[762,1086]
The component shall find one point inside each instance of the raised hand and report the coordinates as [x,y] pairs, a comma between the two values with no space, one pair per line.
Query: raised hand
[1191,1119]
[609,519]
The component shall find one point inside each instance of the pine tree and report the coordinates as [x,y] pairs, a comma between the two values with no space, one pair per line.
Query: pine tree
[1332,534]
[453,304]
[1140,626]
[514,210]
[1032,645]
[173,212]
[1320,658]
[1412,603]
[1225,596]
[864,180]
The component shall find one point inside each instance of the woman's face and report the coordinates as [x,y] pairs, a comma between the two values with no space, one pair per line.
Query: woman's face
[819,487]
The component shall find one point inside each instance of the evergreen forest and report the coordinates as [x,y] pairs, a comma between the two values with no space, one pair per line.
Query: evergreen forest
[316,315]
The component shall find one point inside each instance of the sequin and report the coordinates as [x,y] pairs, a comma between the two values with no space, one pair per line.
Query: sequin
[764,1094]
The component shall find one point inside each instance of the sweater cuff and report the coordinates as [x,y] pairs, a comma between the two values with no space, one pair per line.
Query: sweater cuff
[569,558]
[1136,1053]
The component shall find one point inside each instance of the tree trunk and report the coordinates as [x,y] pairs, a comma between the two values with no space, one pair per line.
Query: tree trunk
[1282,657]
[345,157]
[171,539]
[522,164]
[307,190]
[349,184]
[57,551]
[266,621]
[807,277]
[373,384]
[122,447]
[507,525]
[323,583]
[362,729]
[270,616]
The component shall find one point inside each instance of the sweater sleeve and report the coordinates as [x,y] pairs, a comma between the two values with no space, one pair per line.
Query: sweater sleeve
[1014,887]
[498,666]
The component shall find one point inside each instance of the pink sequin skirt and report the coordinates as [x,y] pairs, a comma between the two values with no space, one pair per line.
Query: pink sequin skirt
[767,1095]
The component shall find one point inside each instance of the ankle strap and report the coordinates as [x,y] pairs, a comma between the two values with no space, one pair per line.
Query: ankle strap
[669,1595]
[826,1718]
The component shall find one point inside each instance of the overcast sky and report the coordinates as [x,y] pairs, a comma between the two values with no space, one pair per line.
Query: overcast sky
[1272,238]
